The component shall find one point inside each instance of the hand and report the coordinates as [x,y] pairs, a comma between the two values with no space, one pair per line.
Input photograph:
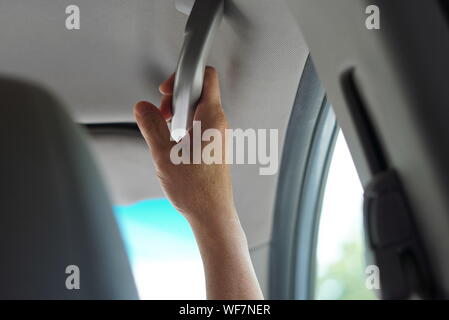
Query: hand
[201,192]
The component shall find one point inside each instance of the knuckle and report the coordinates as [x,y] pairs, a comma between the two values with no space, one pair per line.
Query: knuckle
[221,120]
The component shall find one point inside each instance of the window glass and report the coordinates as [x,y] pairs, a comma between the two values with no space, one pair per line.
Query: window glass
[340,249]
[162,250]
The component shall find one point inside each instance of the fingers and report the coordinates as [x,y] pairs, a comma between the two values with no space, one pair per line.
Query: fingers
[152,121]
[166,87]
[153,127]
[166,107]
[211,89]
[211,86]
[209,110]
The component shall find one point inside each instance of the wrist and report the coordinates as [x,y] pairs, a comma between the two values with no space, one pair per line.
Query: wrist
[216,217]
[218,227]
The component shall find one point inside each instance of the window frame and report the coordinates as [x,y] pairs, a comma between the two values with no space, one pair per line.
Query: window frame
[310,139]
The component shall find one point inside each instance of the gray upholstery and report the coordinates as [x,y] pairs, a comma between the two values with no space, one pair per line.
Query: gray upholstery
[54,210]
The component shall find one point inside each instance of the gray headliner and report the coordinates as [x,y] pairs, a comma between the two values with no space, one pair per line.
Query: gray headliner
[124,49]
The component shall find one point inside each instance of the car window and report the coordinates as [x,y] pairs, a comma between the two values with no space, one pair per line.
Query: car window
[162,250]
[340,265]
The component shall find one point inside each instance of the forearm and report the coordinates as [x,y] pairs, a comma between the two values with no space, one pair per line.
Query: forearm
[227,265]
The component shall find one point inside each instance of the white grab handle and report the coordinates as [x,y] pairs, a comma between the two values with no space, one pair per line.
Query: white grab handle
[201,26]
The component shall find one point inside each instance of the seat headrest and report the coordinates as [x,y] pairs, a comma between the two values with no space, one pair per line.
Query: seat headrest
[54,211]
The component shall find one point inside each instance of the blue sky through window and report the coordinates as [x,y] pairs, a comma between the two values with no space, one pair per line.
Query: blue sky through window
[162,250]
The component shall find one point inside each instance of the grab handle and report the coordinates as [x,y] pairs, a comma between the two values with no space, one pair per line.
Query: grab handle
[201,26]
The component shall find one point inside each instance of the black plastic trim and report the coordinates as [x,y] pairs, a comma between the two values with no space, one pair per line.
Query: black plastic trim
[365,129]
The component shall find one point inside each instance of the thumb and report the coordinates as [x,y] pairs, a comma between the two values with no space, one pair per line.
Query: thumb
[153,127]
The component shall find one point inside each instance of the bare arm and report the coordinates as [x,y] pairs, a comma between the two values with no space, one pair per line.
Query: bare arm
[203,194]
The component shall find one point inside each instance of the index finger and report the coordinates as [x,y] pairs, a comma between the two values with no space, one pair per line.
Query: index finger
[166,87]
[211,87]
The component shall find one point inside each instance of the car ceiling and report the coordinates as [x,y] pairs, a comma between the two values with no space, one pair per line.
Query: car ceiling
[124,49]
